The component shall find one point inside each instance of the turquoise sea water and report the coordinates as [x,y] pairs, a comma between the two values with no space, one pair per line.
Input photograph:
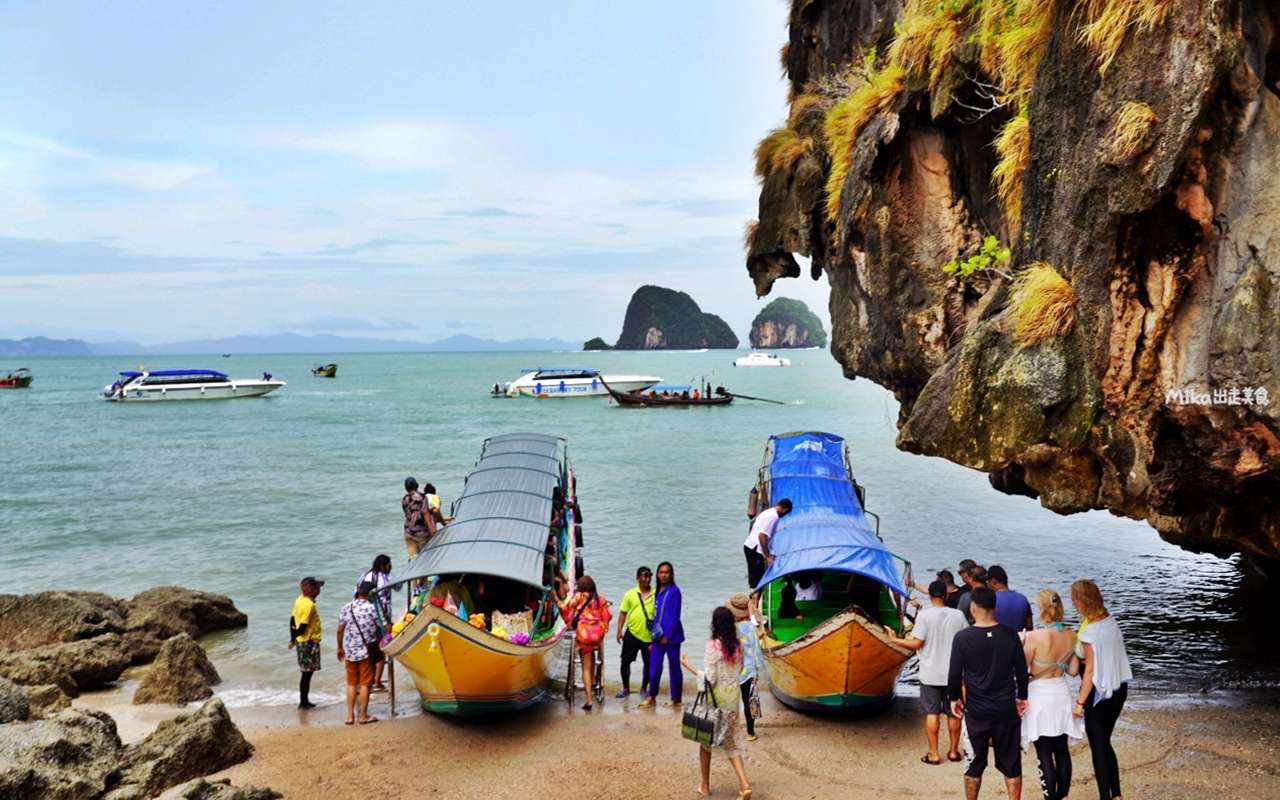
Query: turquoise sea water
[245,497]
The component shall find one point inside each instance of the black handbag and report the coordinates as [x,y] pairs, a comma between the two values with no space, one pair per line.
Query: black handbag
[699,723]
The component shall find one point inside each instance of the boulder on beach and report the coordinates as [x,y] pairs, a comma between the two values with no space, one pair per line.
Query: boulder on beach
[15,706]
[35,620]
[181,674]
[166,611]
[71,756]
[71,666]
[180,749]
[223,790]
[45,701]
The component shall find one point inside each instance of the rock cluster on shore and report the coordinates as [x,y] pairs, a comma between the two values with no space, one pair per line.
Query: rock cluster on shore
[69,642]
[53,645]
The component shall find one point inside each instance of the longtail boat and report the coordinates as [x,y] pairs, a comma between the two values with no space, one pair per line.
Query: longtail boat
[19,379]
[325,371]
[830,654]
[514,526]
[670,395]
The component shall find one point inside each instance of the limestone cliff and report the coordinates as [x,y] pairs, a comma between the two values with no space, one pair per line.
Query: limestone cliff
[787,323]
[935,152]
[664,319]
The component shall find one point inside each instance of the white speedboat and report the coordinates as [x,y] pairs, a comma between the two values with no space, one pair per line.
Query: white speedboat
[185,384]
[573,382]
[762,360]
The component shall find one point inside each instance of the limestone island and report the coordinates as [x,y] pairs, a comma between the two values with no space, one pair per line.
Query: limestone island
[787,323]
[664,319]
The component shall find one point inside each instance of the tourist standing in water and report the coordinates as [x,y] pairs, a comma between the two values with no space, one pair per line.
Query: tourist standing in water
[987,687]
[1048,723]
[932,635]
[668,634]
[634,618]
[722,666]
[1104,682]
[752,658]
[304,637]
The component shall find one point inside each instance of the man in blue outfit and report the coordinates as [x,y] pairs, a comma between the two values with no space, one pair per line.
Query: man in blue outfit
[1012,608]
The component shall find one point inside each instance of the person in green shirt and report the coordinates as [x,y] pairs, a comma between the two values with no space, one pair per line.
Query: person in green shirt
[634,619]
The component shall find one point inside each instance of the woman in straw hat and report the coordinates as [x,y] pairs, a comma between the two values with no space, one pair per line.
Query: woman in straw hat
[752,657]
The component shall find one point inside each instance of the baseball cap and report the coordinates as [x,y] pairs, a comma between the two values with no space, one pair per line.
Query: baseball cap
[311,580]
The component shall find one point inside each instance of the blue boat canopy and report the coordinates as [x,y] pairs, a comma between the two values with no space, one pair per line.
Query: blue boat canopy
[827,528]
[169,373]
[502,519]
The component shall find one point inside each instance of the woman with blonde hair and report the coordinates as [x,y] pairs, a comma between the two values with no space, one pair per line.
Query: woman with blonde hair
[1049,723]
[1105,676]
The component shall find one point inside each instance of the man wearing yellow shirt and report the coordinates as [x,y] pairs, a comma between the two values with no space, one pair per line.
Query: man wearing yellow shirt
[304,636]
[633,629]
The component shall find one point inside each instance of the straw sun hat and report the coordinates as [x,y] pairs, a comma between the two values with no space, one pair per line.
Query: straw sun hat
[740,606]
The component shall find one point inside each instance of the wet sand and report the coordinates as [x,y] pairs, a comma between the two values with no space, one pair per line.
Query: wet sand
[1168,748]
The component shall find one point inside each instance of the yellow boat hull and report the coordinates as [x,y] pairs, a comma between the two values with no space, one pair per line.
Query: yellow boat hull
[462,670]
[845,665]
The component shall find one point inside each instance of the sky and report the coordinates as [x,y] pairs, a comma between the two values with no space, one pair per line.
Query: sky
[172,171]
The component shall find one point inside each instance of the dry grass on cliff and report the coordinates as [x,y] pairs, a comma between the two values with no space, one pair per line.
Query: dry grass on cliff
[749,234]
[1013,146]
[780,150]
[806,106]
[846,120]
[1042,305]
[1012,36]
[1134,122]
[926,39]
[1108,23]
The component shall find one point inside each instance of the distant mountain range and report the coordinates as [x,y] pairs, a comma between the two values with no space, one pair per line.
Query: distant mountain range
[275,343]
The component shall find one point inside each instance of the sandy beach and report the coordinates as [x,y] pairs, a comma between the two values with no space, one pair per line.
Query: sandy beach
[1168,748]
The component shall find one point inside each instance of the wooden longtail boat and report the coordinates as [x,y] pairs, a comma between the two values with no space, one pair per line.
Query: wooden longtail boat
[500,530]
[669,396]
[19,379]
[835,656]
[326,371]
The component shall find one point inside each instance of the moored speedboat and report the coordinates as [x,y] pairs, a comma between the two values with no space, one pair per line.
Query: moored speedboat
[185,384]
[513,530]
[829,654]
[18,379]
[755,359]
[573,382]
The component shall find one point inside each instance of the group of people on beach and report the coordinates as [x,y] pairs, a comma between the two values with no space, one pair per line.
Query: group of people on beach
[1001,683]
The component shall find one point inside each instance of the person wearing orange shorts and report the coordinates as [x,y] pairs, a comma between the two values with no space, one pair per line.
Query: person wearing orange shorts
[358,635]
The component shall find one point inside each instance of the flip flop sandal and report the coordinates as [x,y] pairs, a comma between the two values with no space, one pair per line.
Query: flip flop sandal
[368,721]
[954,760]
[349,722]
[925,758]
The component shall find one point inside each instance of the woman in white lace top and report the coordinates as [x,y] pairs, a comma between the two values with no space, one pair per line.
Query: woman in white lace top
[721,673]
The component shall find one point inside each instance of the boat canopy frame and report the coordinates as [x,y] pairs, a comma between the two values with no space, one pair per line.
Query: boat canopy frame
[503,517]
[827,528]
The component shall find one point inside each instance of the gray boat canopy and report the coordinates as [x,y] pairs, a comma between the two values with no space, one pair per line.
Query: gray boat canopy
[502,519]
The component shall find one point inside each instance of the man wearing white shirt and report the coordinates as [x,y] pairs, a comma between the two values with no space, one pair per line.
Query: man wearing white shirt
[756,547]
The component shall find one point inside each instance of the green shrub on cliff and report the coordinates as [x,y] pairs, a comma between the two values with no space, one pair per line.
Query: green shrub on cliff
[783,313]
[664,319]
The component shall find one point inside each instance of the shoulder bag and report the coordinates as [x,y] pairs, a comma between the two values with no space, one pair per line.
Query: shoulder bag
[373,645]
[698,724]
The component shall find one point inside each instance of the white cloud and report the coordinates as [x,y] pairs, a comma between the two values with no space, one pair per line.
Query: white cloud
[393,146]
[155,175]
[22,141]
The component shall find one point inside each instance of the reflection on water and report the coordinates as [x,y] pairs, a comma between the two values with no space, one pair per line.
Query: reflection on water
[245,497]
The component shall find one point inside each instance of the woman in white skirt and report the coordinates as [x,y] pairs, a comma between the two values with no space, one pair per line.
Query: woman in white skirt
[1049,721]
